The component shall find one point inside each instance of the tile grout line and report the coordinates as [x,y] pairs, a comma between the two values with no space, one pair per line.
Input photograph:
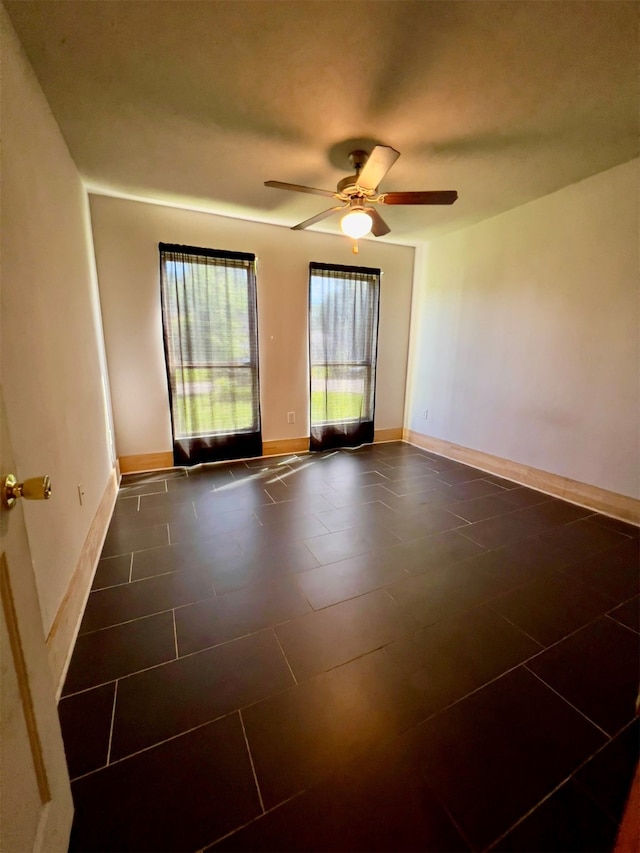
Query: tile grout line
[137,550]
[175,633]
[543,648]
[255,778]
[527,814]
[159,743]
[617,622]
[555,642]
[471,692]
[592,797]
[187,655]
[463,835]
[136,618]
[130,571]
[523,663]
[113,716]
[295,680]
[253,820]
[564,781]
[570,704]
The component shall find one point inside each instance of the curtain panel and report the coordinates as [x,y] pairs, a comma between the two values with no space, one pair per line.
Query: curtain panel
[210,329]
[343,341]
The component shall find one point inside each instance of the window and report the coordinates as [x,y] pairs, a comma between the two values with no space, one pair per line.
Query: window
[211,348]
[343,335]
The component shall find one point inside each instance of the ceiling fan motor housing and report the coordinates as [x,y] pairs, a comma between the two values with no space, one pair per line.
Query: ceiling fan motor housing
[358,159]
[347,186]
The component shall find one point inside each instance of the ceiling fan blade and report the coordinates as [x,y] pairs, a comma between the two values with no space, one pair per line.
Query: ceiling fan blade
[279,185]
[378,164]
[318,217]
[379,227]
[427,197]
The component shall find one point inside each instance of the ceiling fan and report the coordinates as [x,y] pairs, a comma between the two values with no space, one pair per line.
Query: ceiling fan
[360,191]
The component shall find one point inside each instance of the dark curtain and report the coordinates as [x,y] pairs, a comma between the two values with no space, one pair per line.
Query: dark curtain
[211,348]
[343,336]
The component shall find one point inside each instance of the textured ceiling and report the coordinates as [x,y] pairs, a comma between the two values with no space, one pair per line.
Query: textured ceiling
[199,103]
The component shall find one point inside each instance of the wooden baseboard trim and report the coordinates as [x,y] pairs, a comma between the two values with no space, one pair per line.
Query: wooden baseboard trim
[285,445]
[394,434]
[145,462]
[64,630]
[600,500]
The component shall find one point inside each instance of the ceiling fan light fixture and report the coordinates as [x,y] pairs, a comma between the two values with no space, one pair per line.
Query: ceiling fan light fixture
[357,195]
[356,224]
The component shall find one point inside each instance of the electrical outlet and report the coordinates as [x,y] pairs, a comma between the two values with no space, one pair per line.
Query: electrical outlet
[426,414]
[291,417]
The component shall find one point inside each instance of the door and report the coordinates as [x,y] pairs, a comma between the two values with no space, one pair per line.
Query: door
[35,795]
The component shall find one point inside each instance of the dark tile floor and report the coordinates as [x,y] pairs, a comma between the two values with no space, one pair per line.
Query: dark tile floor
[377,649]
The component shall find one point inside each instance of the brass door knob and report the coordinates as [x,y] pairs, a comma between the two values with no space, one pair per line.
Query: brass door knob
[33,489]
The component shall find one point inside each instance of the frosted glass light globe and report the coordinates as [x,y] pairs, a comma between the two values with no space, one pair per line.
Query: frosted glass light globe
[356,224]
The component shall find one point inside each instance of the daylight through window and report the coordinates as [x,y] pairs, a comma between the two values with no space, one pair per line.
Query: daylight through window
[211,347]
[343,334]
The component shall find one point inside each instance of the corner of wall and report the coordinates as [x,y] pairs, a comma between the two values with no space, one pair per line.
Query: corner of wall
[420,258]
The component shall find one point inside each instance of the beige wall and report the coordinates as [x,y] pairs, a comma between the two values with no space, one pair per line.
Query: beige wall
[51,357]
[525,334]
[126,237]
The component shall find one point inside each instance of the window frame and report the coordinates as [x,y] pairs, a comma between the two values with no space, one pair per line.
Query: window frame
[346,431]
[195,446]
